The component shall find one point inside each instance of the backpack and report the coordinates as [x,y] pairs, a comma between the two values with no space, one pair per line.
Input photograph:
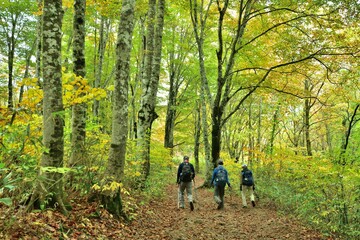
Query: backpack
[247,178]
[221,177]
[186,173]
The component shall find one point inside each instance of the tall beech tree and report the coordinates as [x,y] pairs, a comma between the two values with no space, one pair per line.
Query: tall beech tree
[150,80]
[111,198]
[78,123]
[49,186]
[199,13]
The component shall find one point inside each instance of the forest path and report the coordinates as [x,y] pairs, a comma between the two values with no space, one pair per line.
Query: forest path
[163,220]
[158,220]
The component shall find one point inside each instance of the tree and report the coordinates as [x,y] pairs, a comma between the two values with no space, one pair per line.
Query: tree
[178,49]
[150,81]
[104,30]
[79,109]
[49,187]
[111,197]
[199,14]
[15,24]
[245,27]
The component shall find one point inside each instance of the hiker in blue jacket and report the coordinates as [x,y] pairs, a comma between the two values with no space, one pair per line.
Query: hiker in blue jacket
[219,180]
[185,176]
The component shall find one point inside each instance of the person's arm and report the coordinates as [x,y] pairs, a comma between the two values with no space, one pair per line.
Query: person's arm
[193,171]
[227,179]
[213,176]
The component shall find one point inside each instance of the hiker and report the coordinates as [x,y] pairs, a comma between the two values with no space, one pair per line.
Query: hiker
[185,176]
[247,185]
[220,179]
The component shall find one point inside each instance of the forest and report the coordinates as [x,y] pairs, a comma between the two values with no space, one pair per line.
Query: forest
[101,99]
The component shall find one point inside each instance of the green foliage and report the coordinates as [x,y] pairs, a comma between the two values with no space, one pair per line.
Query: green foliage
[7,184]
[20,152]
[318,191]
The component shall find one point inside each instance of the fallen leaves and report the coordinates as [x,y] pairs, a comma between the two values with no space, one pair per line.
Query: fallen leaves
[159,219]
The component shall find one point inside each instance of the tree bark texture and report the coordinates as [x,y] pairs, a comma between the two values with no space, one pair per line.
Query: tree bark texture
[307,108]
[197,135]
[39,44]
[78,153]
[120,103]
[199,18]
[49,190]
[104,29]
[150,81]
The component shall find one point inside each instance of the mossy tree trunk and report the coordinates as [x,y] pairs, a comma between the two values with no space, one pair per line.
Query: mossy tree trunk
[110,192]
[78,123]
[48,191]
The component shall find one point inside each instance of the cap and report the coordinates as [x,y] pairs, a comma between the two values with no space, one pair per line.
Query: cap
[220,161]
[244,165]
[186,158]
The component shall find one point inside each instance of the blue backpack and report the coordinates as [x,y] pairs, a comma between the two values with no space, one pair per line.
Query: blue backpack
[220,178]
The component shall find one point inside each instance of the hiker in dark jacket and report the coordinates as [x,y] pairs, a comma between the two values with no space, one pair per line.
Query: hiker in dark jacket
[185,176]
[220,179]
[247,185]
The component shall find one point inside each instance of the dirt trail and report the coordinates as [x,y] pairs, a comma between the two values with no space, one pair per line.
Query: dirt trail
[161,220]
[164,221]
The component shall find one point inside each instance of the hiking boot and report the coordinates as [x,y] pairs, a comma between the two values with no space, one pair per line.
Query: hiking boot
[253,203]
[244,206]
[219,207]
[191,206]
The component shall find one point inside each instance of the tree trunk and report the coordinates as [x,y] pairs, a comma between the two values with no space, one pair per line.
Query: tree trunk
[109,195]
[197,135]
[26,75]
[120,103]
[307,107]
[39,44]
[251,136]
[104,28]
[275,123]
[78,153]
[171,111]
[345,141]
[198,18]
[150,81]
[49,189]
[134,86]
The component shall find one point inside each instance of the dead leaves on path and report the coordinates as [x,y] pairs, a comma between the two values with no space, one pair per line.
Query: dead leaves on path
[159,220]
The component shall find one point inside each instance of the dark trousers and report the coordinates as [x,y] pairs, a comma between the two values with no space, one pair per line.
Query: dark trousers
[219,193]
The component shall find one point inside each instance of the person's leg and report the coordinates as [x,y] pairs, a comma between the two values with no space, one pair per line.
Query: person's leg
[252,196]
[217,195]
[189,191]
[221,195]
[189,195]
[243,196]
[181,194]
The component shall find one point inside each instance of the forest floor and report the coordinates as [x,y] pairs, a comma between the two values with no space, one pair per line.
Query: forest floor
[161,219]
